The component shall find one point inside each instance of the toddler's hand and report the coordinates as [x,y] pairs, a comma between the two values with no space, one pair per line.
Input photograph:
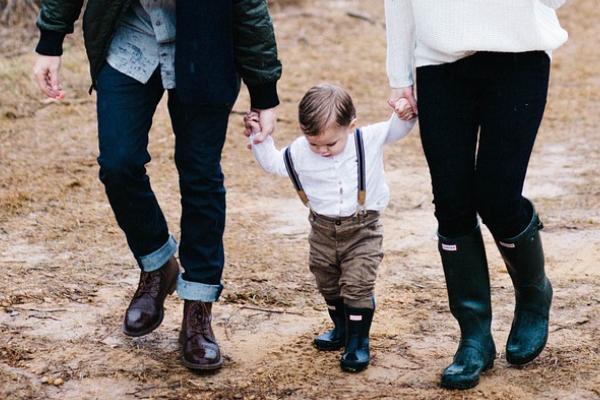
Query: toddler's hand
[251,124]
[402,108]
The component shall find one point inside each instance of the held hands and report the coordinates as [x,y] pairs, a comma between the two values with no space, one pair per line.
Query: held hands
[252,127]
[262,123]
[45,72]
[402,109]
[403,102]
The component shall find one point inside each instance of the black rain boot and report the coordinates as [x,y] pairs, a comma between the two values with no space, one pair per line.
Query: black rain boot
[468,284]
[334,338]
[358,323]
[524,258]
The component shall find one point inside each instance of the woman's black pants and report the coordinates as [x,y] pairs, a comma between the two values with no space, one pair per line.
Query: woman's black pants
[479,117]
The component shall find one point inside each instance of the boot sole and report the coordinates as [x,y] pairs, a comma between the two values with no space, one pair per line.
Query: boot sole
[464,385]
[346,368]
[353,367]
[202,367]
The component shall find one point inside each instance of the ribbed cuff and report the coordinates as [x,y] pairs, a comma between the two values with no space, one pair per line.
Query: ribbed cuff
[264,96]
[50,43]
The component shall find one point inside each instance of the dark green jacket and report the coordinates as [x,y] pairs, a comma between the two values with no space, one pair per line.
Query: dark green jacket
[254,51]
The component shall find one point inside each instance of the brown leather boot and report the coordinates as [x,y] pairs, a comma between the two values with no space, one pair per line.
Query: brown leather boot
[146,310]
[199,348]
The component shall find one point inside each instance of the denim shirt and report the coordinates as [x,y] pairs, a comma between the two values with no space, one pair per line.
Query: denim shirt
[144,40]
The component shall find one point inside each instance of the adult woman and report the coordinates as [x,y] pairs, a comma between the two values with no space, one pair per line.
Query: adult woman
[481,67]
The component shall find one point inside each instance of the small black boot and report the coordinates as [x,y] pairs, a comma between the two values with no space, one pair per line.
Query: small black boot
[358,323]
[524,258]
[334,338]
[468,284]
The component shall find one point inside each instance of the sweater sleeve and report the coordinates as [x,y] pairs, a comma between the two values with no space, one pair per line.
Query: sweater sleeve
[269,158]
[554,3]
[400,29]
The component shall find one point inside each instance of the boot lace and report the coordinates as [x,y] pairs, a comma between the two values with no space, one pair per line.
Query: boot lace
[149,284]
[199,320]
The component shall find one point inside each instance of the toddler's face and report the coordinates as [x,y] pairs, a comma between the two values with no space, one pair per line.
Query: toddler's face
[332,141]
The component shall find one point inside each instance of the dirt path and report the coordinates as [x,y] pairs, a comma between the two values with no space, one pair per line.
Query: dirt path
[67,274]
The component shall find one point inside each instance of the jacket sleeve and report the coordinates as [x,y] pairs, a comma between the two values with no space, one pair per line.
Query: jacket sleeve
[55,21]
[255,51]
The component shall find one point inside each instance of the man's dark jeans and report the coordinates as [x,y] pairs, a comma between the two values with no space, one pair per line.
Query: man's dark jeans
[125,110]
[502,97]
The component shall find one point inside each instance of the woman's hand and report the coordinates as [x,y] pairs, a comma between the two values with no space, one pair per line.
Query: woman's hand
[402,109]
[404,93]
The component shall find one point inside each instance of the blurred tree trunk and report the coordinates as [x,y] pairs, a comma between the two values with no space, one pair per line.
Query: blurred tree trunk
[15,11]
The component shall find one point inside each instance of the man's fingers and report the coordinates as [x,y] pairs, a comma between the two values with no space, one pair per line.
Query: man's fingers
[40,79]
[46,71]
[268,119]
[53,75]
[42,82]
[267,128]
[265,124]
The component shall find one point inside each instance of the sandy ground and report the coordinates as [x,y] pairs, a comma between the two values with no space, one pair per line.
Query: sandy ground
[67,274]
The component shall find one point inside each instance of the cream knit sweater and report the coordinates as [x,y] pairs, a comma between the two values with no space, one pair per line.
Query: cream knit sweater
[430,32]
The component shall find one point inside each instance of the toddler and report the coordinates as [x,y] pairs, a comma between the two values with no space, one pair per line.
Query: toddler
[337,170]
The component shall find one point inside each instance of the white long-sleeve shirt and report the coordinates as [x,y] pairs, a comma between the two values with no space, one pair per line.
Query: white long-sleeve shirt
[432,32]
[331,183]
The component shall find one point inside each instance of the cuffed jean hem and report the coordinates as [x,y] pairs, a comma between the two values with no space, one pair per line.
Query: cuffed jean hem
[156,259]
[198,291]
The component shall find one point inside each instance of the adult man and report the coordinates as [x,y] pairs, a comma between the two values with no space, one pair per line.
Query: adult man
[195,49]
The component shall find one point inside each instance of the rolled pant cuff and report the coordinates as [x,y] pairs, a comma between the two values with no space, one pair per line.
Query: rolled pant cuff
[198,291]
[156,259]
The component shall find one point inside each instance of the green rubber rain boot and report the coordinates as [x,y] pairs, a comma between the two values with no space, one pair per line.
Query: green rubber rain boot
[468,284]
[334,338]
[524,258]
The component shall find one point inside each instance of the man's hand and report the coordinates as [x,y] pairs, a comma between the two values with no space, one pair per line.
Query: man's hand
[408,94]
[45,71]
[267,120]
[251,125]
